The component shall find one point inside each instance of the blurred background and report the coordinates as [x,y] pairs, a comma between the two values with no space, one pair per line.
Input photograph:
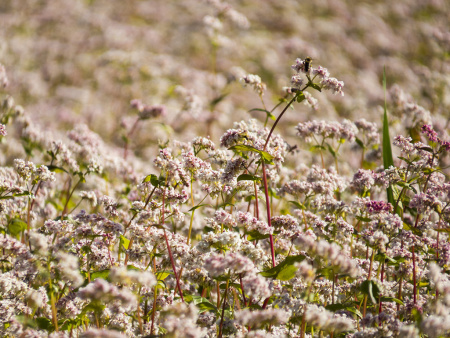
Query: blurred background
[83,61]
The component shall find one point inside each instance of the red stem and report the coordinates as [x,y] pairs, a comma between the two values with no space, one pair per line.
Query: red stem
[242,288]
[414,275]
[168,246]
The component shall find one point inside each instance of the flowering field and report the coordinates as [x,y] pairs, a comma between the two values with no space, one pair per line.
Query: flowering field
[241,168]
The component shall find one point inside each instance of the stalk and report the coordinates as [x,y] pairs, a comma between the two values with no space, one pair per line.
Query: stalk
[266,191]
[368,278]
[52,301]
[242,288]
[155,294]
[223,310]
[168,246]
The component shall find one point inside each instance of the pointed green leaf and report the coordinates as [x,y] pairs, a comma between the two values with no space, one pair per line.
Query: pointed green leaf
[248,177]
[125,242]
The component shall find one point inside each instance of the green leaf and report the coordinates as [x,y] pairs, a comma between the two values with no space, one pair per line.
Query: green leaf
[317,147]
[16,226]
[104,274]
[371,289]
[405,159]
[385,259]
[93,306]
[391,299]
[268,113]
[235,285]
[300,97]
[359,142]
[315,86]
[248,177]
[363,219]
[298,205]
[163,275]
[331,150]
[287,273]
[346,306]
[197,206]
[44,323]
[327,272]
[264,154]
[125,242]
[255,235]
[244,147]
[149,178]
[443,230]
[26,321]
[202,303]
[277,271]
[218,99]
[388,160]
[24,193]
[56,169]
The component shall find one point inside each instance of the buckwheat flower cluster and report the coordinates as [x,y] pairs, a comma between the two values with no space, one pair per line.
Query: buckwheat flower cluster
[64,157]
[334,130]
[110,205]
[231,171]
[225,9]
[255,82]
[251,223]
[310,101]
[102,291]
[148,111]
[256,286]
[439,281]
[259,318]
[24,168]
[326,320]
[369,130]
[287,222]
[412,150]
[425,203]
[327,252]
[43,174]
[193,104]
[3,131]
[124,276]
[327,82]
[306,271]
[105,333]
[233,262]
[212,25]
[180,320]
[204,143]
[364,180]
[233,137]
[432,135]
[98,223]
[39,243]
[90,196]
[324,181]
[436,326]
[173,167]
[412,114]
[37,298]
[68,269]
[296,188]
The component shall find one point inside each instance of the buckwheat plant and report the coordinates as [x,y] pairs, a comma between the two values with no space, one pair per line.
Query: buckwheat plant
[226,237]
